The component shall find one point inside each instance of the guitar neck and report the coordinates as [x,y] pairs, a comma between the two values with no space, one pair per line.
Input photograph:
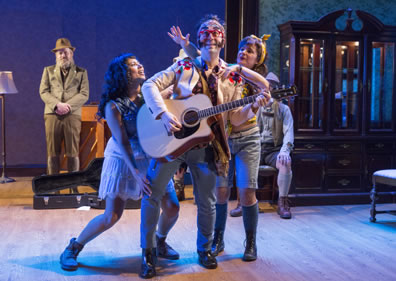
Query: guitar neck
[276,94]
[212,111]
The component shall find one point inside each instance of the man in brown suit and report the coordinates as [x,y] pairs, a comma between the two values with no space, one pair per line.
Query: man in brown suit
[64,89]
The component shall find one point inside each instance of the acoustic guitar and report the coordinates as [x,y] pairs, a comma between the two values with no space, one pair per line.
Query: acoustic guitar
[193,113]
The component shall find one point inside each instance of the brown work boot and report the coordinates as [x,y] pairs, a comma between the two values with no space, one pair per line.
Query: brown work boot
[237,212]
[284,208]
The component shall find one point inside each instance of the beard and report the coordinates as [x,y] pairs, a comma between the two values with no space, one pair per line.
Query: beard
[202,43]
[64,64]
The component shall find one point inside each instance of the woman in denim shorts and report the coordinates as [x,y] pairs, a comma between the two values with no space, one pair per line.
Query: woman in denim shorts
[244,142]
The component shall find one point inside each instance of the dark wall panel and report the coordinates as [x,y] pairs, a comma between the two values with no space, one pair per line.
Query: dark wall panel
[99,30]
[275,12]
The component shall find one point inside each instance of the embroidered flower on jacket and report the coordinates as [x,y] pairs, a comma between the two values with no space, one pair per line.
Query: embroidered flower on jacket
[184,65]
[235,78]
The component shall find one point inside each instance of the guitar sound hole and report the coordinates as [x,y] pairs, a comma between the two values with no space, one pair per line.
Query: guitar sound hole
[191,118]
[186,131]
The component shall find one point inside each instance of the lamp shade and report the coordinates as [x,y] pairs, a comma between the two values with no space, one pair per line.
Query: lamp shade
[7,85]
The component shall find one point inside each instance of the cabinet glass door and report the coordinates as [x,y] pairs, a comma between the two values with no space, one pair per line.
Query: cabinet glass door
[347,93]
[285,63]
[311,97]
[382,84]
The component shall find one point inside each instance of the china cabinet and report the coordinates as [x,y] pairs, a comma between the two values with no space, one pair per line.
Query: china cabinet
[344,115]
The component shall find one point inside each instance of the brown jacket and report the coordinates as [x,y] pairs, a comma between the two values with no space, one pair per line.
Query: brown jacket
[75,90]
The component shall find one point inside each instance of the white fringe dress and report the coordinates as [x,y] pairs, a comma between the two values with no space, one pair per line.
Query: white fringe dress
[116,178]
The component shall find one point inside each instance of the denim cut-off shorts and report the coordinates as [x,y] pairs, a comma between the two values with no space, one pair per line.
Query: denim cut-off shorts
[244,164]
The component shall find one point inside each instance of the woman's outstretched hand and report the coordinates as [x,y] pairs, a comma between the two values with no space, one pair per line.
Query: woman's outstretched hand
[177,36]
[228,69]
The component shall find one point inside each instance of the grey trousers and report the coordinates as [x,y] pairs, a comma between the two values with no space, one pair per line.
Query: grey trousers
[202,168]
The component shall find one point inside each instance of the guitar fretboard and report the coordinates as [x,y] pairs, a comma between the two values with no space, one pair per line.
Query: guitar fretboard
[276,94]
[207,112]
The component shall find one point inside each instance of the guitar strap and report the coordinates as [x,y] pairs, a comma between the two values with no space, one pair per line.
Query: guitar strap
[220,145]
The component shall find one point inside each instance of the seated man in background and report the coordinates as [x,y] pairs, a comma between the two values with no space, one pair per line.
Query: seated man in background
[277,136]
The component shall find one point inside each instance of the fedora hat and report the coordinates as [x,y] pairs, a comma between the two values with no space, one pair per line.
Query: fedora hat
[62,43]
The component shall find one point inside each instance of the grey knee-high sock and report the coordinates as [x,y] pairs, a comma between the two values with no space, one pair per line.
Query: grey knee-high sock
[284,181]
[73,164]
[250,218]
[53,165]
[221,216]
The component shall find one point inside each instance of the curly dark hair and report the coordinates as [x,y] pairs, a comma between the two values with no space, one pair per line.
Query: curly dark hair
[259,68]
[115,82]
[211,17]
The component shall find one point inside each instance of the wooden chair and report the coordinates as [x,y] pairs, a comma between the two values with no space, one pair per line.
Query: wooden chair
[387,177]
[268,171]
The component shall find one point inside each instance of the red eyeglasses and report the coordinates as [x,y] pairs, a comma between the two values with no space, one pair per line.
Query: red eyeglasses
[215,33]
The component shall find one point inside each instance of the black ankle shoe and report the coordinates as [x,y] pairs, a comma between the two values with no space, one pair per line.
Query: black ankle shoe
[148,263]
[251,248]
[68,258]
[218,242]
[165,251]
[207,260]
[179,188]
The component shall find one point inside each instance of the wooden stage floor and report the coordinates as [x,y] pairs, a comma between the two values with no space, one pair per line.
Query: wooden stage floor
[318,243]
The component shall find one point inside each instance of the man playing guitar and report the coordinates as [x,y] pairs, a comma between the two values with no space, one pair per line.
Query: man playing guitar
[206,160]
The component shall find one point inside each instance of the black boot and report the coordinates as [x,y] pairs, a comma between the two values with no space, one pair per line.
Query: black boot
[148,263]
[207,260]
[165,251]
[218,242]
[179,188]
[68,258]
[250,248]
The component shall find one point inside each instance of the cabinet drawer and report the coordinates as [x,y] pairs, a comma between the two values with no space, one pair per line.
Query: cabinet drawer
[344,146]
[311,146]
[343,161]
[343,182]
[380,147]
[308,171]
